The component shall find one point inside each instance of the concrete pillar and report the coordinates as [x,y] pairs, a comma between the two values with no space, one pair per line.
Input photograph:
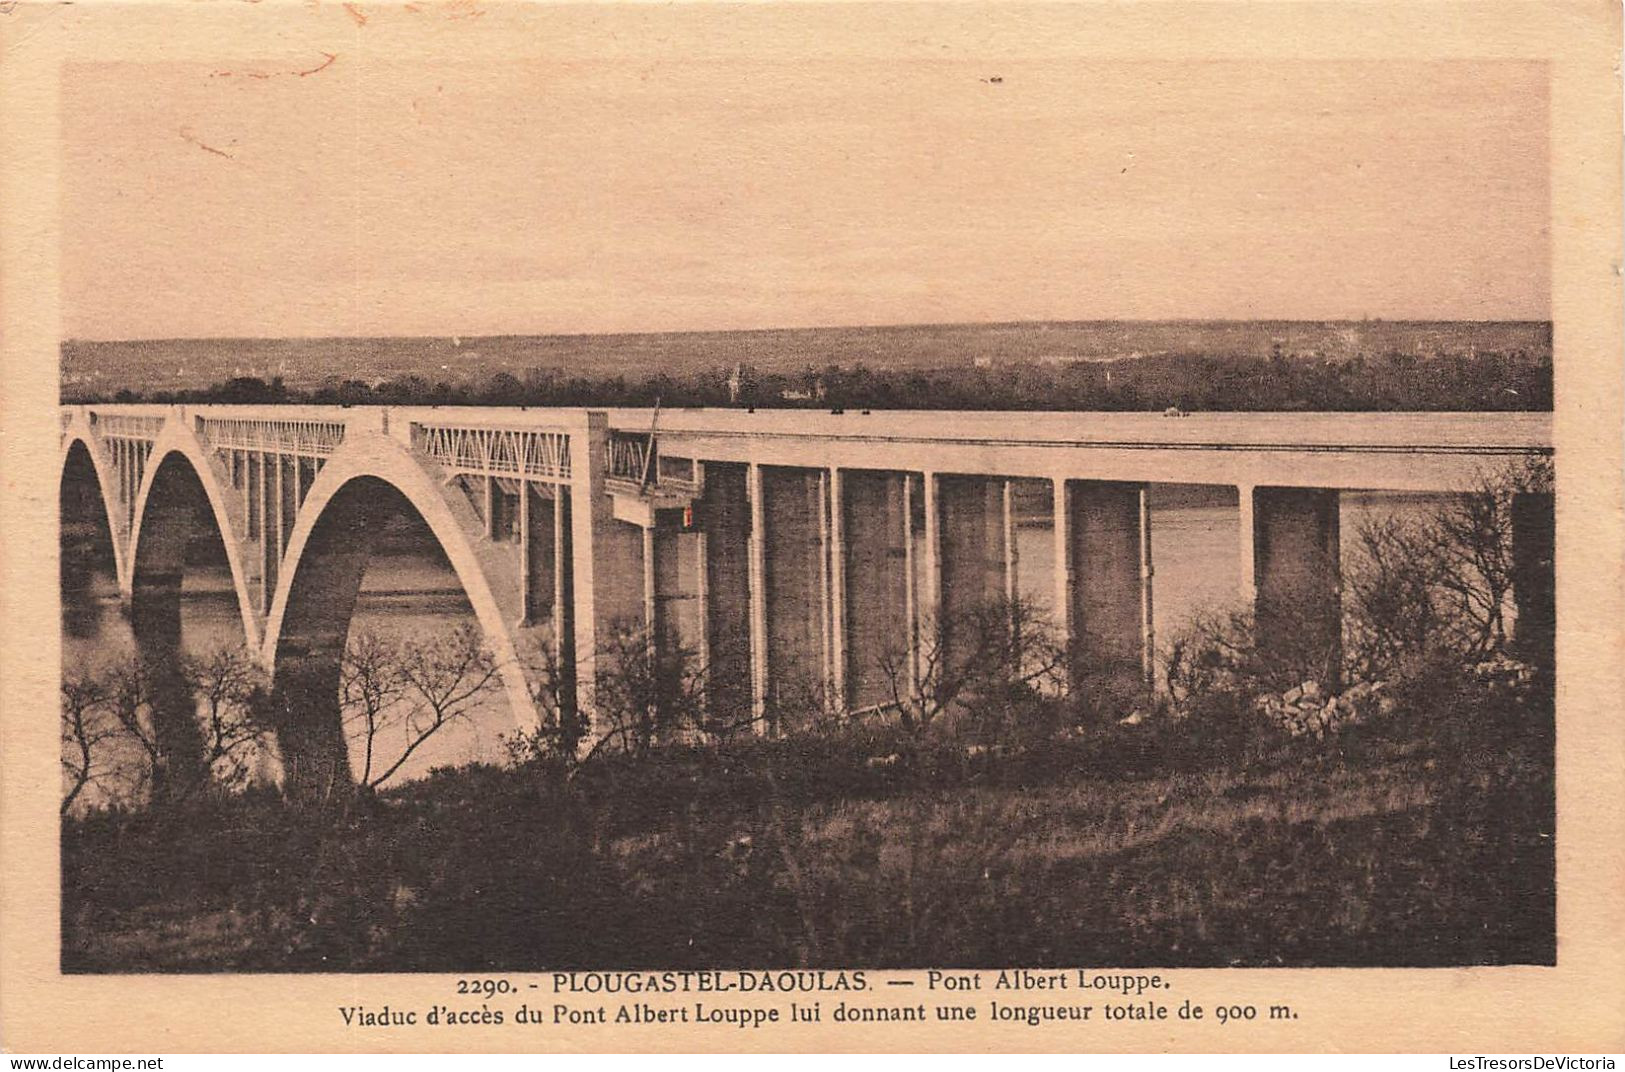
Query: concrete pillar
[251,491]
[911,587]
[837,560]
[972,558]
[524,552]
[124,499]
[679,612]
[878,593]
[117,449]
[290,498]
[564,608]
[278,508]
[758,599]
[725,511]
[172,518]
[606,566]
[127,490]
[540,523]
[270,542]
[1534,577]
[929,630]
[1148,621]
[651,595]
[826,625]
[1066,627]
[1105,539]
[702,593]
[1012,553]
[155,621]
[132,484]
[1247,528]
[1297,573]
[795,602]
[305,709]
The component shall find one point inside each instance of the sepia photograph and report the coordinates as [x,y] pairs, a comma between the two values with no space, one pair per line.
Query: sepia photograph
[760,524]
[629,493]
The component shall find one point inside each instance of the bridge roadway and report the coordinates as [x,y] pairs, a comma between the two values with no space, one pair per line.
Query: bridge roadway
[789,551]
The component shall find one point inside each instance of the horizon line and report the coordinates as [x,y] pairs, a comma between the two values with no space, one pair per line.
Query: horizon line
[888,326]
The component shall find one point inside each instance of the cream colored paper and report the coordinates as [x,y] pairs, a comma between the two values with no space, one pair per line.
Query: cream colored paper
[329,71]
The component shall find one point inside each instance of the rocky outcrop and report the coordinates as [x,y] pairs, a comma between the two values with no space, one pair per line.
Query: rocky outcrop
[1306,710]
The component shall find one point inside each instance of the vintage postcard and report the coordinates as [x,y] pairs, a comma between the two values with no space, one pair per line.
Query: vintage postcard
[800,526]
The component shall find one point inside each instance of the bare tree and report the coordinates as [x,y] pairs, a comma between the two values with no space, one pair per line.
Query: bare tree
[1392,609]
[129,697]
[230,689]
[987,655]
[552,686]
[87,732]
[1472,537]
[1440,584]
[1217,651]
[371,690]
[443,681]
[721,711]
[645,692]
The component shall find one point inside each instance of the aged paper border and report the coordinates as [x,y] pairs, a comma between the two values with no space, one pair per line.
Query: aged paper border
[1576,1007]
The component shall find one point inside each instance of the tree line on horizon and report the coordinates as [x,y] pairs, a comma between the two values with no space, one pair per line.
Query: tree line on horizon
[1396,381]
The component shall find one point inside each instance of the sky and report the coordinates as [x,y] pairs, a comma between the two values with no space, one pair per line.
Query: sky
[368,195]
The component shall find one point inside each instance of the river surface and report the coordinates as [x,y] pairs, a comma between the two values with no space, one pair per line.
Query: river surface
[409,592]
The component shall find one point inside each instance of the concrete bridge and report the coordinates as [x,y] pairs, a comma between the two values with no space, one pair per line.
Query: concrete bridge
[782,546]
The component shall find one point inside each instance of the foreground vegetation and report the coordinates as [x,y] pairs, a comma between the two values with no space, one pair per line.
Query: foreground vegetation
[1422,838]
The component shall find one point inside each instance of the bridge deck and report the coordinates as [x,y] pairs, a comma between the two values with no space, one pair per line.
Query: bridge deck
[1397,451]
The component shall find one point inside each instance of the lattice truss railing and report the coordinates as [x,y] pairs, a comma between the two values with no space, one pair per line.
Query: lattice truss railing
[529,455]
[127,426]
[303,439]
[627,456]
[636,458]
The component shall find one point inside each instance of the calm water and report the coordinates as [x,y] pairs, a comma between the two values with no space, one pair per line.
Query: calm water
[404,596]
[413,594]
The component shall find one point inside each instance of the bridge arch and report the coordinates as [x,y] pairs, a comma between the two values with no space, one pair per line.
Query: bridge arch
[168,513]
[369,479]
[179,511]
[89,535]
[79,445]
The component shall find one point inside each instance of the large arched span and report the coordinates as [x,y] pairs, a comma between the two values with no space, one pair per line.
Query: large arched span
[155,538]
[89,546]
[366,482]
[176,533]
[79,445]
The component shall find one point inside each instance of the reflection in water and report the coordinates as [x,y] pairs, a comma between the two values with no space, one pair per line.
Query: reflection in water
[410,593]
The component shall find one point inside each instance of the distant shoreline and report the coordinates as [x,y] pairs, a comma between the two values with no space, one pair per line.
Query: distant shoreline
[1197,365]
[886,327]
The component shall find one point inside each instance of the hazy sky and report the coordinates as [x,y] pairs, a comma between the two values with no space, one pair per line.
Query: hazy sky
[376,196]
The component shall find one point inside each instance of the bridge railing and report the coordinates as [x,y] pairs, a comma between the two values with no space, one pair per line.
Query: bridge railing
[531,455]
[126,425]
[634,463]
[307,439]
[630,456]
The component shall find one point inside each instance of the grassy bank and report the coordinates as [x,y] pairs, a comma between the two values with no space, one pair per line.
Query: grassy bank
[1423,838]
